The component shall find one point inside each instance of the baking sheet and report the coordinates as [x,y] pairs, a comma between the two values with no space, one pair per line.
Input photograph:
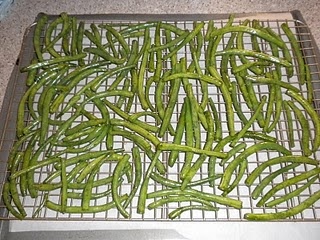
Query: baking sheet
[242,192]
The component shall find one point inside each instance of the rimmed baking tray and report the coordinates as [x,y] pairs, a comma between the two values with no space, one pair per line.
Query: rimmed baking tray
[16,89]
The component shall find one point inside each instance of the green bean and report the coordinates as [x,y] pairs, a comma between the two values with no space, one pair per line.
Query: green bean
[13,185]
[157,43]
[261,80]
[194,109]
[255,103]
[90,167]
[104,54]
[169,44]
[176,147]
[114,186]
[92,209]
[313,114]
[296,49]
[291,194]
[121,99]
[175,184]
[218,126]
[260,136]
[79,41]
[66,41]
[225,60]
[216,41]
[249,30]
[171,199]
[111,44]
[25,163]
[135,27]
[289,124]
[249,65]
[53,61]
[205,78]
[64,189]
[250,53]
[83,126]
[236,104]
[138,175]
[233,152]
[179,134]
[210,27]
[139,141]
[170,107]
[141,73]
[287,182]
[177,212]
[126,116]
[44,123]
[74,31]
[242,157]
[144,187]
[187,39]
[250,122]
[137,115]
[75,195]
[242,168]
[289,158]
[284,214]
[32,74]
[271,102]
[37,36]
[7,202]
[228,102]
[189,138]
[278,104]
[97,183]
[259,188]
[32,167]
[195,193]
[305,139]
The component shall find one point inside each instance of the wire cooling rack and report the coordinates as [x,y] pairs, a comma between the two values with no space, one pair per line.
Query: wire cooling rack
[34,207]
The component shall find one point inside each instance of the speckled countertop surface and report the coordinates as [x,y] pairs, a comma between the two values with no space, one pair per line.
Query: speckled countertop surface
[23,12]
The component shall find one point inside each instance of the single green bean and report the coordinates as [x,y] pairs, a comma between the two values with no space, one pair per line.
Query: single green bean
[305,139]
[170,146]
[114,186]
[289,124]
[43,20]
[177,212]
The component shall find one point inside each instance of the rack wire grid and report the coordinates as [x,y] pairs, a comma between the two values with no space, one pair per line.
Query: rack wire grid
[34,206]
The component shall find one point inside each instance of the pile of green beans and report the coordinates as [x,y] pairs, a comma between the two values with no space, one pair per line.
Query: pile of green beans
[102,83]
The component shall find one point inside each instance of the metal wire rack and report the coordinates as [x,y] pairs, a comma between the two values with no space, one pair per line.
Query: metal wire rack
[242,192]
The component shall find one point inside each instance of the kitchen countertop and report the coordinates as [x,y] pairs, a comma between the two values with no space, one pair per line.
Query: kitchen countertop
[23,12]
